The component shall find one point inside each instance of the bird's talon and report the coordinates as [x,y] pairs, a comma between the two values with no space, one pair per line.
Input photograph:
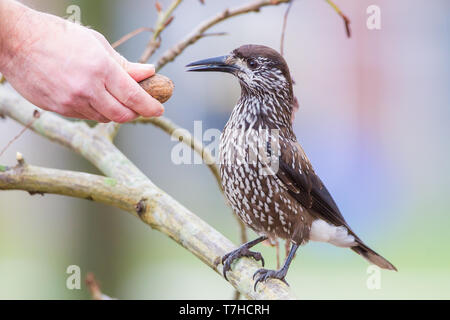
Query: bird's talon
[225,257]
[229,258]
[257,271]
[264,275]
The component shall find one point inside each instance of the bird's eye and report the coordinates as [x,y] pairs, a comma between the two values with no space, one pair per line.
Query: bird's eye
[252,64]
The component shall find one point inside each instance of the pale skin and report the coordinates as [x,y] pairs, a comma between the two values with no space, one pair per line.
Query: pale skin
[69,69]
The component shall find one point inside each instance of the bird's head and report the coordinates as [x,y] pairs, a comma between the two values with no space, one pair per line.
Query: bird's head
[260,69]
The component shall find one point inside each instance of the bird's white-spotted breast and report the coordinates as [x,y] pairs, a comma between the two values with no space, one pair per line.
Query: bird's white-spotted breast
[249,153]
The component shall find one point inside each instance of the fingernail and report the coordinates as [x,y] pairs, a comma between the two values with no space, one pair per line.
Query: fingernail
[145,66]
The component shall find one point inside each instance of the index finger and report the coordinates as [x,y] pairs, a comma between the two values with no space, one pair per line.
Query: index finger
[125,89]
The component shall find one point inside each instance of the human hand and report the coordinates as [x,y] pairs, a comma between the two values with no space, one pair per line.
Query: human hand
[72,70]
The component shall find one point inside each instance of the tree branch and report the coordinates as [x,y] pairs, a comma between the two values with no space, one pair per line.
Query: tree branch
[37,180]
[283,29]
[130,35]
[343,16]
[157,209]
[25,128]
[198,32]
[164,18]
[108,130]
[184,136]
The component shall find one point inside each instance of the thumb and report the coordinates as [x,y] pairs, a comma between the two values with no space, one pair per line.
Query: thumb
[138,71]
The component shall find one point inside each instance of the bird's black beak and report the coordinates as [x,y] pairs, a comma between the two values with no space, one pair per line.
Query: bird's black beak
[222,64]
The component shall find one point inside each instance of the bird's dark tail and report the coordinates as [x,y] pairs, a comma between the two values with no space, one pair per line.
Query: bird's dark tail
[372,256]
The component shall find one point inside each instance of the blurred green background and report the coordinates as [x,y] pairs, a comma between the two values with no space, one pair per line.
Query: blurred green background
[374,120]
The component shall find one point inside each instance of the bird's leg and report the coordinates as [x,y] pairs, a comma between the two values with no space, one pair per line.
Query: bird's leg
[264,274]
[242,251]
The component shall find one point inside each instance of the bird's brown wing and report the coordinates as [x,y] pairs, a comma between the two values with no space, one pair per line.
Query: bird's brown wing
[298,176]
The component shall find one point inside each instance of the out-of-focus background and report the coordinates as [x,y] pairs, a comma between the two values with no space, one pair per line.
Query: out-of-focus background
[374,120]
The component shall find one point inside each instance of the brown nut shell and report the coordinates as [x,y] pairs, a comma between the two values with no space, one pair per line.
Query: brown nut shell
[158,86]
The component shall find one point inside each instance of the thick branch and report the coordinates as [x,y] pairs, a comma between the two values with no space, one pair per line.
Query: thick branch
[74,184]
[160,210]
[199,31]
[108,130]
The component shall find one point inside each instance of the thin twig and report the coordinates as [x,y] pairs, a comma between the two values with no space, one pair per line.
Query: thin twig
[130,35]
[184,136]
[211,34]
[198,32]
[164,18]
[283,30]
[344,17]
[25,128]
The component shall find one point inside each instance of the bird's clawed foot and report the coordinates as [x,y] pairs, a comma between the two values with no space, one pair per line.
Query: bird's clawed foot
[262,275]
[228,259]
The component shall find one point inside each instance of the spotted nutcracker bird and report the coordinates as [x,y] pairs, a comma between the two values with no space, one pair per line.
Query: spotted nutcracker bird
[286,200]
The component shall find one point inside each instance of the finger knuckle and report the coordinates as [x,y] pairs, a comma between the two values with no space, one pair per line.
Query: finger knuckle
[100,67]
[67,102]
[122,116]
[80,89]
[70,101]
[132,97]
[122,61]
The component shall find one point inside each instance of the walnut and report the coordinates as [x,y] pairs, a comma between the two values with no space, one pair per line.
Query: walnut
[158,86]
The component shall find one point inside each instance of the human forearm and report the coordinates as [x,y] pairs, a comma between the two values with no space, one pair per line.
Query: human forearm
[11,15]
